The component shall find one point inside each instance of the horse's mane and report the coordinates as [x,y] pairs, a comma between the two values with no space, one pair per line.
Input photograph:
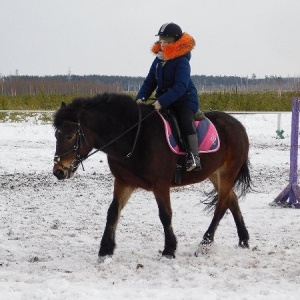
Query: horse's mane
[121,105]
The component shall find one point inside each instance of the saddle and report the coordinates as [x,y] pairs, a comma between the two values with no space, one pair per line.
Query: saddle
[171,118]
[208,139]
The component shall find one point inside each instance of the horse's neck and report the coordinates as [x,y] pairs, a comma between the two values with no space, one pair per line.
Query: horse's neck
[115,136]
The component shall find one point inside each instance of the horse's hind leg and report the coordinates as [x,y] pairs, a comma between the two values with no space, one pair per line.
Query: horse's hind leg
[226,198]
[224,189]
[239,221]
[121,195]
[208,237]
[162,197]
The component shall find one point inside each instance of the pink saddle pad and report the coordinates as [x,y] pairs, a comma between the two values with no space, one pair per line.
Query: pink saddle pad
[208,138]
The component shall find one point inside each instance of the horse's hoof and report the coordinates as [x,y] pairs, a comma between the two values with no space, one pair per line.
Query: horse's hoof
[244,244]
[205,245]
[203,248]
[107,249]
[168,254]
[106,259]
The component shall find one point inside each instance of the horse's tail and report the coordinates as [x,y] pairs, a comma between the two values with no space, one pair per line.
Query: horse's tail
[242,185]
[243,182]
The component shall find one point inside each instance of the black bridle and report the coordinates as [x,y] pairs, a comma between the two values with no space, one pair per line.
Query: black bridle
[80,137]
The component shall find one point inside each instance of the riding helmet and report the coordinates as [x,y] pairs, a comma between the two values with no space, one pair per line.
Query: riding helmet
[170,30]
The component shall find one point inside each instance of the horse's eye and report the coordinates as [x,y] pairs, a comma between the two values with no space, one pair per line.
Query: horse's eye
[69,136]
[57,131]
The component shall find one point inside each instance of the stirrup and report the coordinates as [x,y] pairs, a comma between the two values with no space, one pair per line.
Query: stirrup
[190,162]
[198,164]
[193,163]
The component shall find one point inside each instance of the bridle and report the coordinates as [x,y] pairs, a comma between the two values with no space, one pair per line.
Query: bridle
[80,138]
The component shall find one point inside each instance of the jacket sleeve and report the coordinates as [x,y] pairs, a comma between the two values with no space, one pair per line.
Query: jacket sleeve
[149,84]
[181,83]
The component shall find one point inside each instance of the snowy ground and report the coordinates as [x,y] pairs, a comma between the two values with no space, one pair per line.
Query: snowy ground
[50,230]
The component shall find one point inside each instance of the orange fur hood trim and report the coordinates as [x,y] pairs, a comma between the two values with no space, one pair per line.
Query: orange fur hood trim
[179,48]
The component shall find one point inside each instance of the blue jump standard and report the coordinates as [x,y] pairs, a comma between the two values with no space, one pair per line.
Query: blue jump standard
[290,196]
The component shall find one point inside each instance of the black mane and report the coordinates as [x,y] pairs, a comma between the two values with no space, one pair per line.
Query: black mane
[120,105]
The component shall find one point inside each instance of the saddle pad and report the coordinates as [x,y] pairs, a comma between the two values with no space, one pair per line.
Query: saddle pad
[208,138]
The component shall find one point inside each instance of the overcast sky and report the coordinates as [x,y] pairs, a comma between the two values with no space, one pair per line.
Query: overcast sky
[114,37]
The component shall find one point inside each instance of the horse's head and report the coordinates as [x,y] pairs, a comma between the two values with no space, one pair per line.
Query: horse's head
[72,147]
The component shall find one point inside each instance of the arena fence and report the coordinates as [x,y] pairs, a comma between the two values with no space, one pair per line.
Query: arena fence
[290,196]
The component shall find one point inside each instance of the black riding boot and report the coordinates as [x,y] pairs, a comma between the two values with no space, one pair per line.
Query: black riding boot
[193,159]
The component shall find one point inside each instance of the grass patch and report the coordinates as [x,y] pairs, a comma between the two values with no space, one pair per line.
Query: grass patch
[24,116]
[224,101]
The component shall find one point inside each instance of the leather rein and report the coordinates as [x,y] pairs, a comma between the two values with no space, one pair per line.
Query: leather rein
[80,138]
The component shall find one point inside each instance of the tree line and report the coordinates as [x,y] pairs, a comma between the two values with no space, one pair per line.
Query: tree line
[92,84]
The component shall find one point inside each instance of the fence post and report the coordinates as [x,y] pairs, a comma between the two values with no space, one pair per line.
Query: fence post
[290,196]
[279,131]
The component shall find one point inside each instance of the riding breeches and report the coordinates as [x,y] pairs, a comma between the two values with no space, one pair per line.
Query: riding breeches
[186,119]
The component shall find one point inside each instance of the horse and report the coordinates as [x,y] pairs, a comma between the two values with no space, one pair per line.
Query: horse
[133,137]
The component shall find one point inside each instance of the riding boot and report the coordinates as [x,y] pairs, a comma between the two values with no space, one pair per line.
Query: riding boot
[193,159]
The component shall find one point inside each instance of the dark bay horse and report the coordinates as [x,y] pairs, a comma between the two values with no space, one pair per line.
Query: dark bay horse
[138,155]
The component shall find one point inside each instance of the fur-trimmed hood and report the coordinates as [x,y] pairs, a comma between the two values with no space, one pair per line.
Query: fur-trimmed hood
[179,48]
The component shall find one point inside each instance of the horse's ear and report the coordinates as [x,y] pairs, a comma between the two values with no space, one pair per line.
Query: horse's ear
[63,104]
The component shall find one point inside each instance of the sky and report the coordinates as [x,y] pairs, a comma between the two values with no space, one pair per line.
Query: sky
[114,37]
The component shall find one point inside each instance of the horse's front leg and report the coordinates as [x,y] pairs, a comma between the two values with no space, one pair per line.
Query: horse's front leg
[121,195]
[162,197]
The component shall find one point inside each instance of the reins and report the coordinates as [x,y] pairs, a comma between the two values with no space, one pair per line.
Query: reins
[139,123]
[81,135]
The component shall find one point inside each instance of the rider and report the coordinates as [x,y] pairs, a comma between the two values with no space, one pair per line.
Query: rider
[169,74]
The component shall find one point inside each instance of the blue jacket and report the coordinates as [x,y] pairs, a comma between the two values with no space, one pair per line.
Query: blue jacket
[170,74]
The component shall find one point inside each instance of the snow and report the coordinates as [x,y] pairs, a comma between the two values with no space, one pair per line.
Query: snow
[50,230]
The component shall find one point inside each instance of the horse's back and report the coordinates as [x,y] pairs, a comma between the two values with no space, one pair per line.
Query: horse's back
[219,117]
[229,128]
[234,142]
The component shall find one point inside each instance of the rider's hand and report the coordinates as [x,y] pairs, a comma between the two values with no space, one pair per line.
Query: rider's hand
[156,105]
[139,101]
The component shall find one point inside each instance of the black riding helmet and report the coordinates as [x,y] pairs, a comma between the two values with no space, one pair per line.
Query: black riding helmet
[170,30]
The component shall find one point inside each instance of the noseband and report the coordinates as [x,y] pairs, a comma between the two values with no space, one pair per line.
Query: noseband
[80,138]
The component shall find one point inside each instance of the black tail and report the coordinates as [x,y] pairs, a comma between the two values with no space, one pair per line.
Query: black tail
[242,185]
[243,182]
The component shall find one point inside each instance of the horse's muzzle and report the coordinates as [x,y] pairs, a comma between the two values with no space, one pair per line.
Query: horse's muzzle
[59,174]
[62,172]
